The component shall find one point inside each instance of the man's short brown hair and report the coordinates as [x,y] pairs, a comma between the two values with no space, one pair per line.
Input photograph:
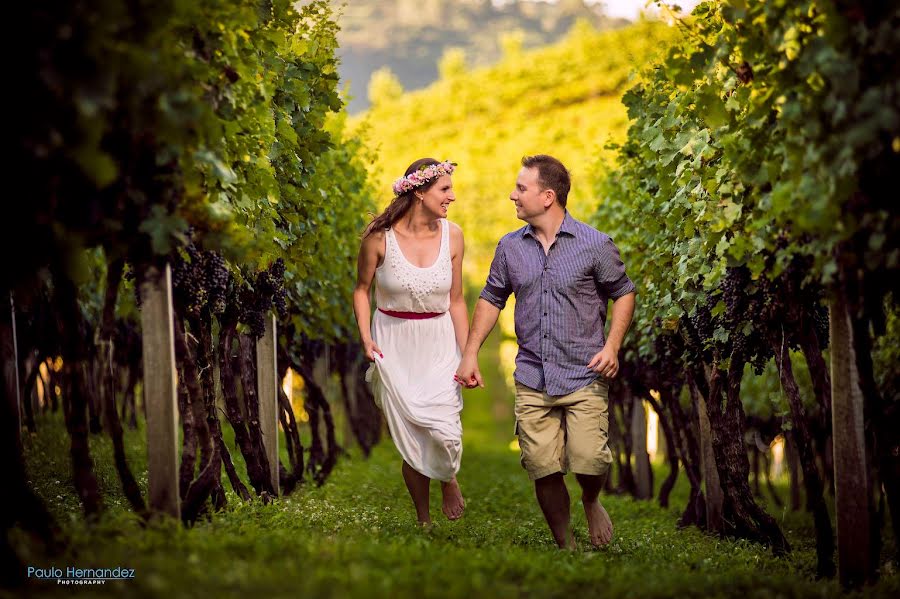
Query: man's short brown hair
[551,175]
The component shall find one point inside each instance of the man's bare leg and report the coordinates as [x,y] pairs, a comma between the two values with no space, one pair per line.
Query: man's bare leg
[418,485]
[553,498]
[599,523]
[454,504]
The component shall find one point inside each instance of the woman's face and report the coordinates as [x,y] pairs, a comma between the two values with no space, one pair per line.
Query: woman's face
[438,197]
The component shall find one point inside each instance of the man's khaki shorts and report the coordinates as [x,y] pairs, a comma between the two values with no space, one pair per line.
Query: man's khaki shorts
[564,433]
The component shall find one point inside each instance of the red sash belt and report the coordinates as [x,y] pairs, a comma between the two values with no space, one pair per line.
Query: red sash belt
[411,315]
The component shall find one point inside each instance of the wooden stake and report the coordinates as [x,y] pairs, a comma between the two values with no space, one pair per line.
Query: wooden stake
[715,498]
[850,475]
[15,366]
[160,384]
[639,443]
[267,392]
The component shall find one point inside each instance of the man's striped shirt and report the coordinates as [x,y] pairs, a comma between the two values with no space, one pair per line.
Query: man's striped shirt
[561,299]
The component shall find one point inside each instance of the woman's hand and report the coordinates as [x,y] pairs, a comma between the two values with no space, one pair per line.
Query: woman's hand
[468,375]
[370,348]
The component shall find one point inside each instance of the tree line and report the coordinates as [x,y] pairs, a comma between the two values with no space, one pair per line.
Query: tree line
[752,201]
[207,137]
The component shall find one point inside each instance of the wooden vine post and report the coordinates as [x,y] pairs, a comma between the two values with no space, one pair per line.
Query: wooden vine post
[715,498]
[11,364]
[643,483]
[160,390]
[267,392]
[850,474]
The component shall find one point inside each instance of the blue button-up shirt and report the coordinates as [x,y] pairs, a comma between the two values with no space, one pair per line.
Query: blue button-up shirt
[561,299]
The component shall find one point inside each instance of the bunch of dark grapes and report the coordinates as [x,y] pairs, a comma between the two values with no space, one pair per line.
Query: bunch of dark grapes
[215,279]
[189,293]
[256,301]
[251,313]
[820,321]
[699,331]
[668,353]
[199,281]
[279,297]
[735,294]
[746,303]
[759,305]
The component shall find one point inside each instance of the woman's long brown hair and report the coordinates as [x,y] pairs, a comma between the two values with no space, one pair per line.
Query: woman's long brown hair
[400,205]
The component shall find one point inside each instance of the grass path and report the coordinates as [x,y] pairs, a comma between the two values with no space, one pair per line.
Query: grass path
[356,537]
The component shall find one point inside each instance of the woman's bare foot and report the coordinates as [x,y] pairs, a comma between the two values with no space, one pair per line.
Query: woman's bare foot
[599,523]
[454,504]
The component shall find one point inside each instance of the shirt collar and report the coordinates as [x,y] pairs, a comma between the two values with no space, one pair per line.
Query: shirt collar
[567,227]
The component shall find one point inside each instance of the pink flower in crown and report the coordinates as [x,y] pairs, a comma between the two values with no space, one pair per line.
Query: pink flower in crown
[422,176]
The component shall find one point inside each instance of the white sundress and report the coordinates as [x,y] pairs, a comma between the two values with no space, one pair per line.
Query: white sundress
[413,383]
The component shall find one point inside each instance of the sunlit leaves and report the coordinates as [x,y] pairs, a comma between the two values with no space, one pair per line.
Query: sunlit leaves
[561,100]
[746,141]
[208,119]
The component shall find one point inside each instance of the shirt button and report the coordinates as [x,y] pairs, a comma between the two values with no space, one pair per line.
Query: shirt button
[545,291]
[545,314]
[545,336]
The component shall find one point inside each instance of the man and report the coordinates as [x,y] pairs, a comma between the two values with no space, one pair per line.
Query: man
[562,272]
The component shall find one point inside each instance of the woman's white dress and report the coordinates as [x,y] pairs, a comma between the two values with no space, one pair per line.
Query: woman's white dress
[413,383]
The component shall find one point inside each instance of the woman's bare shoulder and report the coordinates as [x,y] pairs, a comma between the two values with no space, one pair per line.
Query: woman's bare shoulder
[373,241]
[455,230]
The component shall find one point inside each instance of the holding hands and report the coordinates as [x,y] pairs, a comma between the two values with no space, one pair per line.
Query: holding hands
[468,374]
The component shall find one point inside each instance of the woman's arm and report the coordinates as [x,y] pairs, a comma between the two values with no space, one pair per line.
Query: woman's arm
[459,314]
[371,252]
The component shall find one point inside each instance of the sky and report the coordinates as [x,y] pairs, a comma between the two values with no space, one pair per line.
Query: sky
[628,9]
[631,8]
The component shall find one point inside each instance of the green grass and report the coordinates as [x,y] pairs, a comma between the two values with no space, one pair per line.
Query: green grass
[355,536]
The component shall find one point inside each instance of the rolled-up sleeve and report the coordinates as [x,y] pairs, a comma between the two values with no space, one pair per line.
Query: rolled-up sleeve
[609,271]
[497,288]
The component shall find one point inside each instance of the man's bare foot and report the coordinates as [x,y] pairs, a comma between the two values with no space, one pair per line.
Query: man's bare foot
[454,504]
[599,523]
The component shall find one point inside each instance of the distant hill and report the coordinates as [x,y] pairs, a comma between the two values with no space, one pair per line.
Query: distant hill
[563,99]
[410,36]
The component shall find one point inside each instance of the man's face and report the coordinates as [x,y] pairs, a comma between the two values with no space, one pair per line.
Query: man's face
[530,198]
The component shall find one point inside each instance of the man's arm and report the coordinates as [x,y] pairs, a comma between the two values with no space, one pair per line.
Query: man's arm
[483,321]
[606,361]
[620,320]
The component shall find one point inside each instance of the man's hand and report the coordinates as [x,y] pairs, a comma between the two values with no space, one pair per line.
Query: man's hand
[468,374]
[605,362]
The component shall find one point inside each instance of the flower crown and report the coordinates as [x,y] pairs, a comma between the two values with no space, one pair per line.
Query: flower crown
[422,176]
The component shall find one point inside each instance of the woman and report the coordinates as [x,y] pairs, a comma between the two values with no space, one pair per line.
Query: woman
[416,336]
